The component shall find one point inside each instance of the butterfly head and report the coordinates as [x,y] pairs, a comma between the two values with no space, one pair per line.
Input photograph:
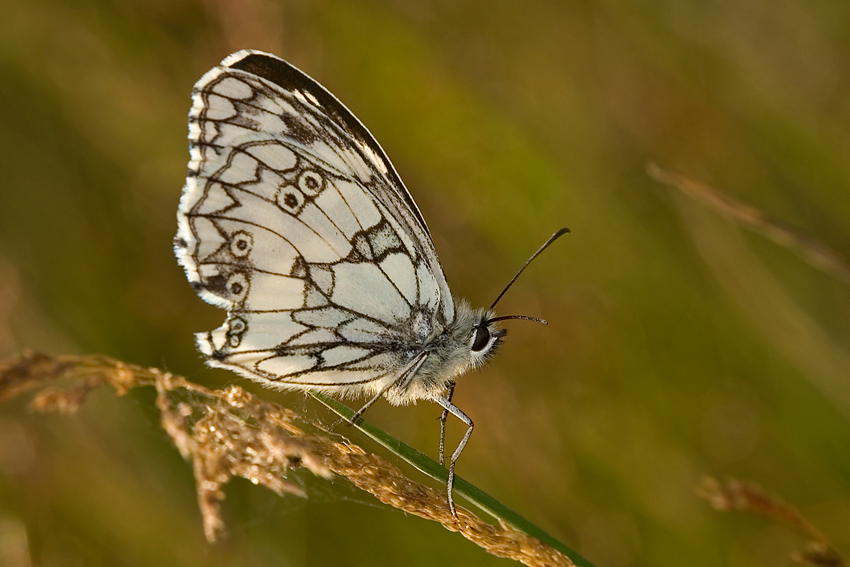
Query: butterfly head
[470,341]
[485,338]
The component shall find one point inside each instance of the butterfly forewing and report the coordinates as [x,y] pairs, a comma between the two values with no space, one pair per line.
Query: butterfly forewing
[294,221]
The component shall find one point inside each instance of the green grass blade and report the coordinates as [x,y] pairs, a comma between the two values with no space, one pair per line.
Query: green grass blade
[471,493]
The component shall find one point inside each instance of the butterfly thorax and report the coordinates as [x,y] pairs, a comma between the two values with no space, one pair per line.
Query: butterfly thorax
[448,352]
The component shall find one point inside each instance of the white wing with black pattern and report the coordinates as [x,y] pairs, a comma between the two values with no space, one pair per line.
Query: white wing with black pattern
[294,220]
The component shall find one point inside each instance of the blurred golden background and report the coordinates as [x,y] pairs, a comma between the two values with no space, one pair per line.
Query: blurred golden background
[679,345]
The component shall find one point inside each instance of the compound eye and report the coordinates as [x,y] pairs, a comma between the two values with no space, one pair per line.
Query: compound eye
[481,338]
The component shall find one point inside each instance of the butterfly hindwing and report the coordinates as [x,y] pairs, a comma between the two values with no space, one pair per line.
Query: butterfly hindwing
[294,221]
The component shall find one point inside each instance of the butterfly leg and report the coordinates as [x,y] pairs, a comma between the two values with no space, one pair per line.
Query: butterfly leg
[451,391]
[402,382]
[359,413]
[455,411]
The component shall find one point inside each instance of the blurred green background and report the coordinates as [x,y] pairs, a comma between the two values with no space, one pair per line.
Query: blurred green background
[678,344]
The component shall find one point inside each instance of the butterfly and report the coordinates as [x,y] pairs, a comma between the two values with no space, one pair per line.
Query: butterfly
[293,220]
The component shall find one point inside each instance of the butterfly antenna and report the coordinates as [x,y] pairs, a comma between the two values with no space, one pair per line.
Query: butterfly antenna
[546,245]
[526,317]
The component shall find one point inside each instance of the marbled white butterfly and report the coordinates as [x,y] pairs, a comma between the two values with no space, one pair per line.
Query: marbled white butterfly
[294,220]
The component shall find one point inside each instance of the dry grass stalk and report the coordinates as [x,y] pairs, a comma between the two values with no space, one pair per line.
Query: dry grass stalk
[811,250]
[231,433]
[748,497]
